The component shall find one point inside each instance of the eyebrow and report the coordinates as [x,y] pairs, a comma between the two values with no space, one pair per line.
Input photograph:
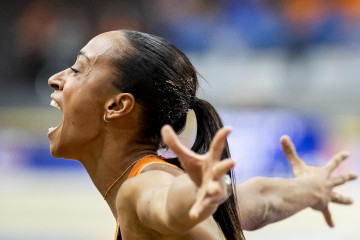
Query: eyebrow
[81,53]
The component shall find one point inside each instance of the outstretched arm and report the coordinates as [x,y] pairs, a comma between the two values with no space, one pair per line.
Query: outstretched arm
[267,200]
[174,205]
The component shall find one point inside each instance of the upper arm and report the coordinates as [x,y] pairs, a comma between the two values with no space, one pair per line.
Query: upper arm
[146,196]
[252,204]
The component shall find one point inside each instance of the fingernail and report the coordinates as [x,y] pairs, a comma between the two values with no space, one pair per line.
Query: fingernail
[228,127]
[193,216]
[345,154]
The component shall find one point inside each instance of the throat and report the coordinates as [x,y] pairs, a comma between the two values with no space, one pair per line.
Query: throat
[110,171]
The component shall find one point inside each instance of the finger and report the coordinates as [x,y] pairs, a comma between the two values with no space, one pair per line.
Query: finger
[172,141]
[213,188]
[218,192]
[204,201]
[290,152]
[195,210]
[343,178]
[327,216]
[218,143]
[337,198]
[198,206]
[336,160]
[222,167]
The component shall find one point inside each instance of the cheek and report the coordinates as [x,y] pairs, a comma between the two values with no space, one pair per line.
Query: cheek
[84,101]
[82,113]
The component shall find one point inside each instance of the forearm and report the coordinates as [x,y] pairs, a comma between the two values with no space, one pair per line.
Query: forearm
[274,199]
[286,197]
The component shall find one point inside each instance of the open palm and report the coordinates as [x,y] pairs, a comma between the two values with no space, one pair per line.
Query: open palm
[322,177]
[205,170]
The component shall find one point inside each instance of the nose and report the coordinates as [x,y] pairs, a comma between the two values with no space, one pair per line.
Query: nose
[56,81]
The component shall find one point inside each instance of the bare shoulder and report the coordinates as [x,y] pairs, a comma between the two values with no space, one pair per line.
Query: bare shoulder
[150,180]
[133,200]
[154,175]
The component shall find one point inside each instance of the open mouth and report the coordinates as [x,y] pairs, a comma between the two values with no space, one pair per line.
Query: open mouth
[53,103]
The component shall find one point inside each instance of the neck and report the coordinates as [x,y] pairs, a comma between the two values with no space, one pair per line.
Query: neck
[113,159]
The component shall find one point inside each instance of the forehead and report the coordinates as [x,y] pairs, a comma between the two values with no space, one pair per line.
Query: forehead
[105,45]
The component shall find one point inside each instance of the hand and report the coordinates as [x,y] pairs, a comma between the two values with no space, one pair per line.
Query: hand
[206,170]
[321,176]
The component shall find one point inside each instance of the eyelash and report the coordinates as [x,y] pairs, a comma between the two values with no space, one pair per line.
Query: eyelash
[74,70]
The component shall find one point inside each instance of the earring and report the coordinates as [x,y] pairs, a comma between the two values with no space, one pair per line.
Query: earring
[107,121]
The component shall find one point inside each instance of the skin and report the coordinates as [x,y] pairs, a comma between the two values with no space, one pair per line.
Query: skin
[85,93]
[84,96]
[266,200]
[148,206]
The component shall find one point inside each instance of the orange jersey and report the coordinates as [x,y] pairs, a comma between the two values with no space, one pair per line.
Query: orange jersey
[142,163]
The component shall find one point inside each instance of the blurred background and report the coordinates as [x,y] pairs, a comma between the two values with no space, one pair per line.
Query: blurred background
[271,67]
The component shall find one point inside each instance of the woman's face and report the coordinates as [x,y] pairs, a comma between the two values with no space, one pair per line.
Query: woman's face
[81,93]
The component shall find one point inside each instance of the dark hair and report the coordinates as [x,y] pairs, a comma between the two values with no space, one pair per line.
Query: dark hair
[164,82]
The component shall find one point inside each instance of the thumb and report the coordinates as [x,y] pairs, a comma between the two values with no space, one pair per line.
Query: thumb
[172,141]
[290,152]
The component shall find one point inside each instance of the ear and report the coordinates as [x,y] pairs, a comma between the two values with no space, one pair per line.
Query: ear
[119,106]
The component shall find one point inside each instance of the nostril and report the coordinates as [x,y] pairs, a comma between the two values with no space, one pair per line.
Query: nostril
[55,86]
[56,81]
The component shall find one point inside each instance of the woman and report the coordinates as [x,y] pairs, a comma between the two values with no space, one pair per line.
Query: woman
[123,88]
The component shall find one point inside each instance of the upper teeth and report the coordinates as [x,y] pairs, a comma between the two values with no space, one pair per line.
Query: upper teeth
[54,104]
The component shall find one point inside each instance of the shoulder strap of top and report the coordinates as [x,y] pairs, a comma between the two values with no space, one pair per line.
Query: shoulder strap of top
[142,163]
[117,233]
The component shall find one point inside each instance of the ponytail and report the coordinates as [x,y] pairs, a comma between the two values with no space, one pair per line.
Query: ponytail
[164,82]
[208,123]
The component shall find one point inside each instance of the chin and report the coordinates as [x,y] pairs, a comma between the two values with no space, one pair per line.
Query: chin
[54,151]
[57,150]
[63,152]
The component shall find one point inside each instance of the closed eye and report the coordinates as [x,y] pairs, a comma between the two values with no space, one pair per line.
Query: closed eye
[74,70]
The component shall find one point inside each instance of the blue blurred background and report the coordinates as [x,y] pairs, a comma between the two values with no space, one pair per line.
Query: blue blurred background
[271,67]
